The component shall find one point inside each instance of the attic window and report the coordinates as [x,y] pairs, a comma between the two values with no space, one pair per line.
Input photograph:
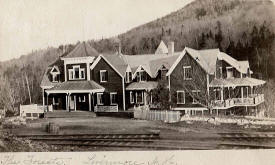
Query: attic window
[141,76]
[187,73]
[55,72]
[128,77]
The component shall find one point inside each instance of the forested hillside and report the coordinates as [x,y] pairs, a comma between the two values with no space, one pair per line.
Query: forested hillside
[242,28]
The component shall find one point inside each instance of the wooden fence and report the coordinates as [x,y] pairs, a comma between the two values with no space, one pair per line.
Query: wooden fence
[166,116]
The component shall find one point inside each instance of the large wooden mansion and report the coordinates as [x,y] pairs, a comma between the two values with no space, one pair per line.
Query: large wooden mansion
[199,81]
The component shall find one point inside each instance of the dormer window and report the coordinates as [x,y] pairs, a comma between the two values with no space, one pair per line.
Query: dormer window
[55,74]
[77,73]
[229,72]
[128,77]
[141,76]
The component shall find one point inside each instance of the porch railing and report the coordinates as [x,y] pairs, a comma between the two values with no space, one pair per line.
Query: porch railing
[251,100]
[106,108]
[222,103]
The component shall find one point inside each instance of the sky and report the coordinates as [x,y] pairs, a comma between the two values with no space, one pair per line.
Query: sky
[27,25]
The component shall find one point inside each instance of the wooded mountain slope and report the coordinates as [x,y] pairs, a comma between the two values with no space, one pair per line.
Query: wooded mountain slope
[242,28]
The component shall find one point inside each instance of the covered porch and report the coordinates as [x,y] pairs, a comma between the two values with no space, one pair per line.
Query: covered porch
[236,92]
[140,93]
[73,96]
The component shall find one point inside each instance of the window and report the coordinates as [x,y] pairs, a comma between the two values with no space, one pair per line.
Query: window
[76,73]
[103,76]
[141,75]
[187,73]
[196,96]
[71,73]
[139,97]
[180,97]
[82,99]
[99,98]
[54,78]
[132,99]
[113,97]
[82,73]
[128,77]
[229,72]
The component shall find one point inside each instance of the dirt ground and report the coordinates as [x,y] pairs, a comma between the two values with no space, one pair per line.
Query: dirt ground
[183,131]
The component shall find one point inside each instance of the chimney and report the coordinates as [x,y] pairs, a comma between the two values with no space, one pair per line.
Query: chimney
[171,48]
[118,48]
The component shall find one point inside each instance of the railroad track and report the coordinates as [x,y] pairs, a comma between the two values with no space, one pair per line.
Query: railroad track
[153,141]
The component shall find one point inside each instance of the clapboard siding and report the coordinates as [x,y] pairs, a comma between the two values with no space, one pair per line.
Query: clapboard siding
[177,82]
[114,83]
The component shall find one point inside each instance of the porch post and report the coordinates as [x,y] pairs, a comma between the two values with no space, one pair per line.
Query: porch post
[67,106]
[222,93]
[145,97]
[242,93]
[43,94]
[69,97]
[74,102]
[90,106]
[47,102]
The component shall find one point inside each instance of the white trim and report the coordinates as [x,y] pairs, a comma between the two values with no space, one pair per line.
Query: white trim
[88,71]
[98,59]
[77,60]
[75,91]
[46,87]
[113,93]
[181,91]
[55,67]
[176,63]
[127,77]
[100,76]
[138,70]
[190,108]
[97,99]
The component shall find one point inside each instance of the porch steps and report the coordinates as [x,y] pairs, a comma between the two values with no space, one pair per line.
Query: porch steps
[66,114]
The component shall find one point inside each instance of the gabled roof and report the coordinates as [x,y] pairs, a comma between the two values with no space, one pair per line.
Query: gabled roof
[241,66]
[150,62]
[45,80]
[147,85]
[162,48]
[83,49]
[114,61]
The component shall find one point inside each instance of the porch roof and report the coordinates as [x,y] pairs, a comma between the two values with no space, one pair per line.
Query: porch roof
[76,87]
[232,82]
[147,85]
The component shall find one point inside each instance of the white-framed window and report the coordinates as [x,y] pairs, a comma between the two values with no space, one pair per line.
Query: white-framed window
[229,72]
[103,75]
[180,97]
[141,76]
[76,73]
[196,96]
[128,78]
[139,97]
[82,99]
[55,78]
[187,75]
[113,98]
[99,98]
[132,99]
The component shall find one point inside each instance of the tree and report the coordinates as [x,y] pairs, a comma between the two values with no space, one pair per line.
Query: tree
[160,96]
